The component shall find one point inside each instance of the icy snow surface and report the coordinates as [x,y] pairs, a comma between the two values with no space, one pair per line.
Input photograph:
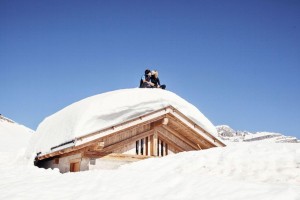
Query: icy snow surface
[254,170]
[107,109]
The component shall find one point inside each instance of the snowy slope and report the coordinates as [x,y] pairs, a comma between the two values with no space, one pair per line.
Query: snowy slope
[228,134]
[107,109]
[14,136]
[241,171]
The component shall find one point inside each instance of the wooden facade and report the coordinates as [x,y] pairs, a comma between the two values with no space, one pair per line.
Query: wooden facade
[157,134]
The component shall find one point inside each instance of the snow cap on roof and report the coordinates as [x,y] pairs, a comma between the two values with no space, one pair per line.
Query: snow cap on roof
[107,109]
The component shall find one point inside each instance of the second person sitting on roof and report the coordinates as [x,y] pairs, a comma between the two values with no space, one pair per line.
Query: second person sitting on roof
[155,80]
[150,80]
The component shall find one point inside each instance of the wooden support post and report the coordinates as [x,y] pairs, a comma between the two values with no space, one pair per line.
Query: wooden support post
[158,147]
[140,147]
[150,146]
[154,144]
[144,147]
[166,145]
[162,148]
[147,146]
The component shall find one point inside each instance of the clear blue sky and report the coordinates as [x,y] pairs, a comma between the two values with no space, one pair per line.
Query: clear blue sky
[237,61]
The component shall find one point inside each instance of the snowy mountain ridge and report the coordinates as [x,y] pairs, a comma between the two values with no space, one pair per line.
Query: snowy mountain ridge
[16,136]
[2,118]
[228,134]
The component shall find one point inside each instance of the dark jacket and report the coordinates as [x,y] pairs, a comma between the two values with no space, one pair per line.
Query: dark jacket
[155,81]
[144,82]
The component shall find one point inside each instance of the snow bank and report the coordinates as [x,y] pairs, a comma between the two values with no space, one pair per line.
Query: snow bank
[245,171]
[107,109]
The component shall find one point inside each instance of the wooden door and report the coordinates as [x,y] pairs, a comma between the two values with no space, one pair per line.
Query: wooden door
[75,167]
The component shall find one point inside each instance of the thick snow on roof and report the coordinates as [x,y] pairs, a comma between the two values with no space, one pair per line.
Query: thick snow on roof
[100,111]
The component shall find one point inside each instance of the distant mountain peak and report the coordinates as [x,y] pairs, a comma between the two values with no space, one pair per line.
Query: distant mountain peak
[6,119]
[229,134]
[14,136]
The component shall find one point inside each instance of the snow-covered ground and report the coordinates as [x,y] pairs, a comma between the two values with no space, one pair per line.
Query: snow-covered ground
[254,170]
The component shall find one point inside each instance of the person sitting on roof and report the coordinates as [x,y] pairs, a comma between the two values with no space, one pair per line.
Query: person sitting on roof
[145,81]
[155,80]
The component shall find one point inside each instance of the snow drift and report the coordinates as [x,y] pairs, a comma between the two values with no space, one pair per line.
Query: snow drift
[107,109]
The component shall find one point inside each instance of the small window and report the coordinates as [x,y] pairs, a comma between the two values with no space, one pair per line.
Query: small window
[56,161]
[141,147]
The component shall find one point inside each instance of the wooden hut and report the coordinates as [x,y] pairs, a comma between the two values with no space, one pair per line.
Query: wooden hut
[156,134]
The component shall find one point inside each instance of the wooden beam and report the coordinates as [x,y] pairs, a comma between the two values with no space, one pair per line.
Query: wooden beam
[193,132]
[198,130]
[119,145]
[174,139]
[126,156]
[98,146]
[94,143]
[161,122]
[186,140]
[116,156]
[170,142]
[145,119]
[95,154]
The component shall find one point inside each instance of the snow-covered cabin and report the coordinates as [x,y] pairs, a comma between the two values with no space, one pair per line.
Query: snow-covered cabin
[118,127]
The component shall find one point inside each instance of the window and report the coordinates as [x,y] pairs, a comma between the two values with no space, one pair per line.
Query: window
[56,161]
[92,161]
[162,148]
[141,146]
